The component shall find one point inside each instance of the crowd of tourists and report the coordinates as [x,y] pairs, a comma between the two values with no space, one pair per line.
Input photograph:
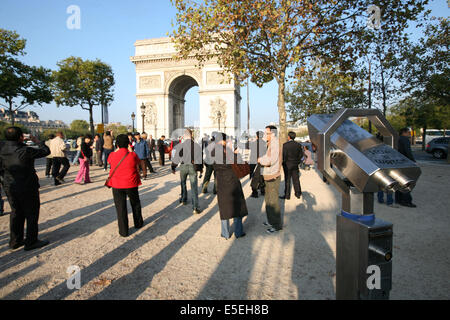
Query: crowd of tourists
[128,158]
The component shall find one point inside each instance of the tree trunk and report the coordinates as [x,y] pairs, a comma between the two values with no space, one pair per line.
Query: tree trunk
[370,94]
[383,91]
[91,121]
[282,107]
[11,113]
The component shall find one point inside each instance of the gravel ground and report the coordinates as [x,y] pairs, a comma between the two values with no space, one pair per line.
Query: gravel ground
[178,255]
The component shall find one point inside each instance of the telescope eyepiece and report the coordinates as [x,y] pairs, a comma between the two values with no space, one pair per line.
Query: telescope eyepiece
[386,182]
[406,184]
[386,254]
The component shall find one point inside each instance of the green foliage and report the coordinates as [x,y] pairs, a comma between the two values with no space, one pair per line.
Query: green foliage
[427,80]
[116,129]
[84,83]
[10,44]
[20,85]
[397,121]
[303,132]
[267,40]
[4,125]
[80,126]
[68,133]
[323,89]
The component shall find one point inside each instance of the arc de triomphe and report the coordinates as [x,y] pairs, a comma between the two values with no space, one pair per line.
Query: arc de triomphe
[162,81]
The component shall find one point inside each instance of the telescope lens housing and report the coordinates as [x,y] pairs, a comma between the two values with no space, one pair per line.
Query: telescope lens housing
[405,183]
[386,182]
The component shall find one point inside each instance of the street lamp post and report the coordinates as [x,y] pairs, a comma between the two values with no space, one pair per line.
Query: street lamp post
[133,116]
[143,115]
[218,118]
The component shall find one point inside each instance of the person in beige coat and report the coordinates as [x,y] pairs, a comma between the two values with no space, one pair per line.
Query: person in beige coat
[58,151]
[271,171]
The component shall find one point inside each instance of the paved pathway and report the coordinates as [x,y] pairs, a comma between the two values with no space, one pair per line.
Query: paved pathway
[177,255]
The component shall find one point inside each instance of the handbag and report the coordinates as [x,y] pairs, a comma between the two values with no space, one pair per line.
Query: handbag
[241,169]
[112,173]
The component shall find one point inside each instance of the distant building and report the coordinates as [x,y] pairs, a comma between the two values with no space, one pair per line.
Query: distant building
[30,120]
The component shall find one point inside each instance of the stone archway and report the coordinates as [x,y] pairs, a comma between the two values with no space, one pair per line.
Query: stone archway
[178,86]
[162,82]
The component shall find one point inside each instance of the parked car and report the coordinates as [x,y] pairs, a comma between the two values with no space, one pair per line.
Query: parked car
[438,147]
[435,133]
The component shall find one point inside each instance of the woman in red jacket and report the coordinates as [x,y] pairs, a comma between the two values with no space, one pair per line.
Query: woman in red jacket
[125,181]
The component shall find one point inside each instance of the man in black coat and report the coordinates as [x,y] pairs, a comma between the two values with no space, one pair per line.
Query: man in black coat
[292,155]
[161,150]
[152,145]
[21,186]
[404,147]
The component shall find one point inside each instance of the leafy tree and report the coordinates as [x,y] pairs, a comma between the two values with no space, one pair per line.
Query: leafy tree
[83,83]
[118,129]
[426,78]
[20,85]
[271,39]
[79,125]
[68,133]
[382,52]
[11,44]
[385,62]
[4,125]
[323,89]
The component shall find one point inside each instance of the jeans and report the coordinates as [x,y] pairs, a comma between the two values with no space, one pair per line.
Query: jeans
[208,173]
[107,152]
[76,157]
[389,200]
[185,171]
[238,228]
[273,210]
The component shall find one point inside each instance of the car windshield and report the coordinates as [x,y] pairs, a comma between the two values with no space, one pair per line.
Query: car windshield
[435,133]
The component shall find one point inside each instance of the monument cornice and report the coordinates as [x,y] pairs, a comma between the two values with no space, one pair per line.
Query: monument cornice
[159,58]
[153,41]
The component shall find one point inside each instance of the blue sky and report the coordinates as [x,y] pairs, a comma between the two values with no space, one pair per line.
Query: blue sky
[108,31]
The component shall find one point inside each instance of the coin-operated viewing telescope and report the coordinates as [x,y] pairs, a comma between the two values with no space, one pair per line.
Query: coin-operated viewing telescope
[358,164]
